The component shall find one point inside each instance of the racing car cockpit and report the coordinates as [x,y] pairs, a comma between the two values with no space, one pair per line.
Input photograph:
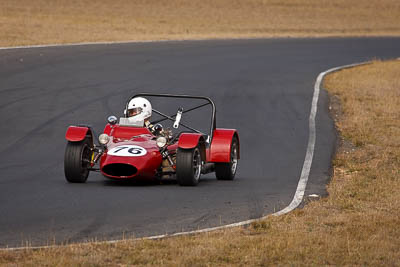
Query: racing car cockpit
[138,112]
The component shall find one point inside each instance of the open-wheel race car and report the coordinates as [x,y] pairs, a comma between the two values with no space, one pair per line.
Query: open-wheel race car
[134,147]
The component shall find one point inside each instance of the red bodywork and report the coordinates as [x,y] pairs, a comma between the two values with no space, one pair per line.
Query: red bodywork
[122,139]
[189,140]
[77,133]
[144,166]
[221,145]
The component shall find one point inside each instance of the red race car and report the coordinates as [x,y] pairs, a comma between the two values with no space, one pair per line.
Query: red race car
[136,147]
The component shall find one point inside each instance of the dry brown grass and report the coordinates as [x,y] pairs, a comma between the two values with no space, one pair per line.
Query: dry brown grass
[24,22]
[358,224]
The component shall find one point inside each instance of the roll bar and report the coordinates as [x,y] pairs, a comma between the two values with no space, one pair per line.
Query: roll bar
[171,117]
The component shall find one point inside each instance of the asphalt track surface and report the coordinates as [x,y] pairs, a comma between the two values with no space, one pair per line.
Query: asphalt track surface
[263,88]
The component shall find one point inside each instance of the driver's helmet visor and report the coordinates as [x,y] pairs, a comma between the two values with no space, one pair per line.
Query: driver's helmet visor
[134,111]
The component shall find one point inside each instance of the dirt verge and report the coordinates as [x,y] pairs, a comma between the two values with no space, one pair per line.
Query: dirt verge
[27,22]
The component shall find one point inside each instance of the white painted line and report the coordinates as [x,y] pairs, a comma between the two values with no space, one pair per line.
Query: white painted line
[120,42]
[83,44]
[301,186]
[305,172]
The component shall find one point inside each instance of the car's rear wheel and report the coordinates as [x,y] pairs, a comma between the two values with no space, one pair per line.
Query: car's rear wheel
[188,166]
[77,161]
[227,171]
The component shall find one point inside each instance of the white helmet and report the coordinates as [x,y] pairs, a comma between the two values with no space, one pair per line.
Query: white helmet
[139,108]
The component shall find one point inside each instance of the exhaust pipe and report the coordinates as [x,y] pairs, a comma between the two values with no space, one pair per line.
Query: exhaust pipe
[207,168]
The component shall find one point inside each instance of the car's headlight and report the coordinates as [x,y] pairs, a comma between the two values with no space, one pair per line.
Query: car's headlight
[104,139]
[161,141]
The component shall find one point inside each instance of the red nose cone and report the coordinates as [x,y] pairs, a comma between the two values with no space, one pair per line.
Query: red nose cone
[127,161]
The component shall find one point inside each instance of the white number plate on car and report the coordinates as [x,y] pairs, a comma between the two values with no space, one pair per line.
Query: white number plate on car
[127,151]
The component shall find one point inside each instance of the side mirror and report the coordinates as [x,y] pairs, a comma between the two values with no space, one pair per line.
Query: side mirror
[112,120]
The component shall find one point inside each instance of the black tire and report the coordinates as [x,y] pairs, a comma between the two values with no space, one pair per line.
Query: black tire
[77,161]
[227,171]
[188,166]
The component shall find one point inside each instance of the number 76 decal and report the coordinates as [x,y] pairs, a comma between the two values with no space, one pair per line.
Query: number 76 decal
[127,151]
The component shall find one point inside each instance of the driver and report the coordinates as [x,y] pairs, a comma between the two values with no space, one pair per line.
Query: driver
[140,109]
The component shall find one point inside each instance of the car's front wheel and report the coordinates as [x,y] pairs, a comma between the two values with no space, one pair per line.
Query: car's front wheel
[77,161]
[188,166]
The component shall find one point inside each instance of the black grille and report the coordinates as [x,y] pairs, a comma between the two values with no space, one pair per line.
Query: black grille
[119,169]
